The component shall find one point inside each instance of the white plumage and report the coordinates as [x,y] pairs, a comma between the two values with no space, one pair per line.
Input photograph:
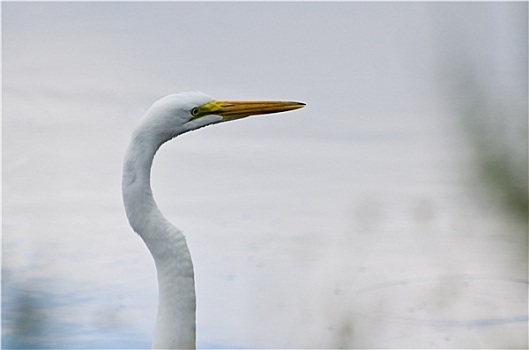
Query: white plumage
[166,119]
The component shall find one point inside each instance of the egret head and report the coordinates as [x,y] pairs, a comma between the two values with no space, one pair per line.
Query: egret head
[179,113]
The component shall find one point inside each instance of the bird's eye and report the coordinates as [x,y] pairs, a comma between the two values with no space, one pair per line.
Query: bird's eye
[194,112]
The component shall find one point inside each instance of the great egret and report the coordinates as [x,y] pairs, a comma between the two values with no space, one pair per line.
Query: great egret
[167,118]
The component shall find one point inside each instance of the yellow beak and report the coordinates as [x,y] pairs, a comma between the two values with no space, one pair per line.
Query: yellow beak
[231,110]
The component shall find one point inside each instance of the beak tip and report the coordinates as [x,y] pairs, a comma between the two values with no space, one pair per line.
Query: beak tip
[298,104]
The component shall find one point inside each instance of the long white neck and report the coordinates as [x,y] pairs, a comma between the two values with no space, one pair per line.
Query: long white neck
[175,323]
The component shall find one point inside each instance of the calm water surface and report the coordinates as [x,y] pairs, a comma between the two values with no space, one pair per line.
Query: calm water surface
[357,221]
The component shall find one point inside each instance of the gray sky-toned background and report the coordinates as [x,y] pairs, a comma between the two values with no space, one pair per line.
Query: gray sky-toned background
[357,221]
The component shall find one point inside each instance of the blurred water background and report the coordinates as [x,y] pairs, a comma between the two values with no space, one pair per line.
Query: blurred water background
[391,212]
